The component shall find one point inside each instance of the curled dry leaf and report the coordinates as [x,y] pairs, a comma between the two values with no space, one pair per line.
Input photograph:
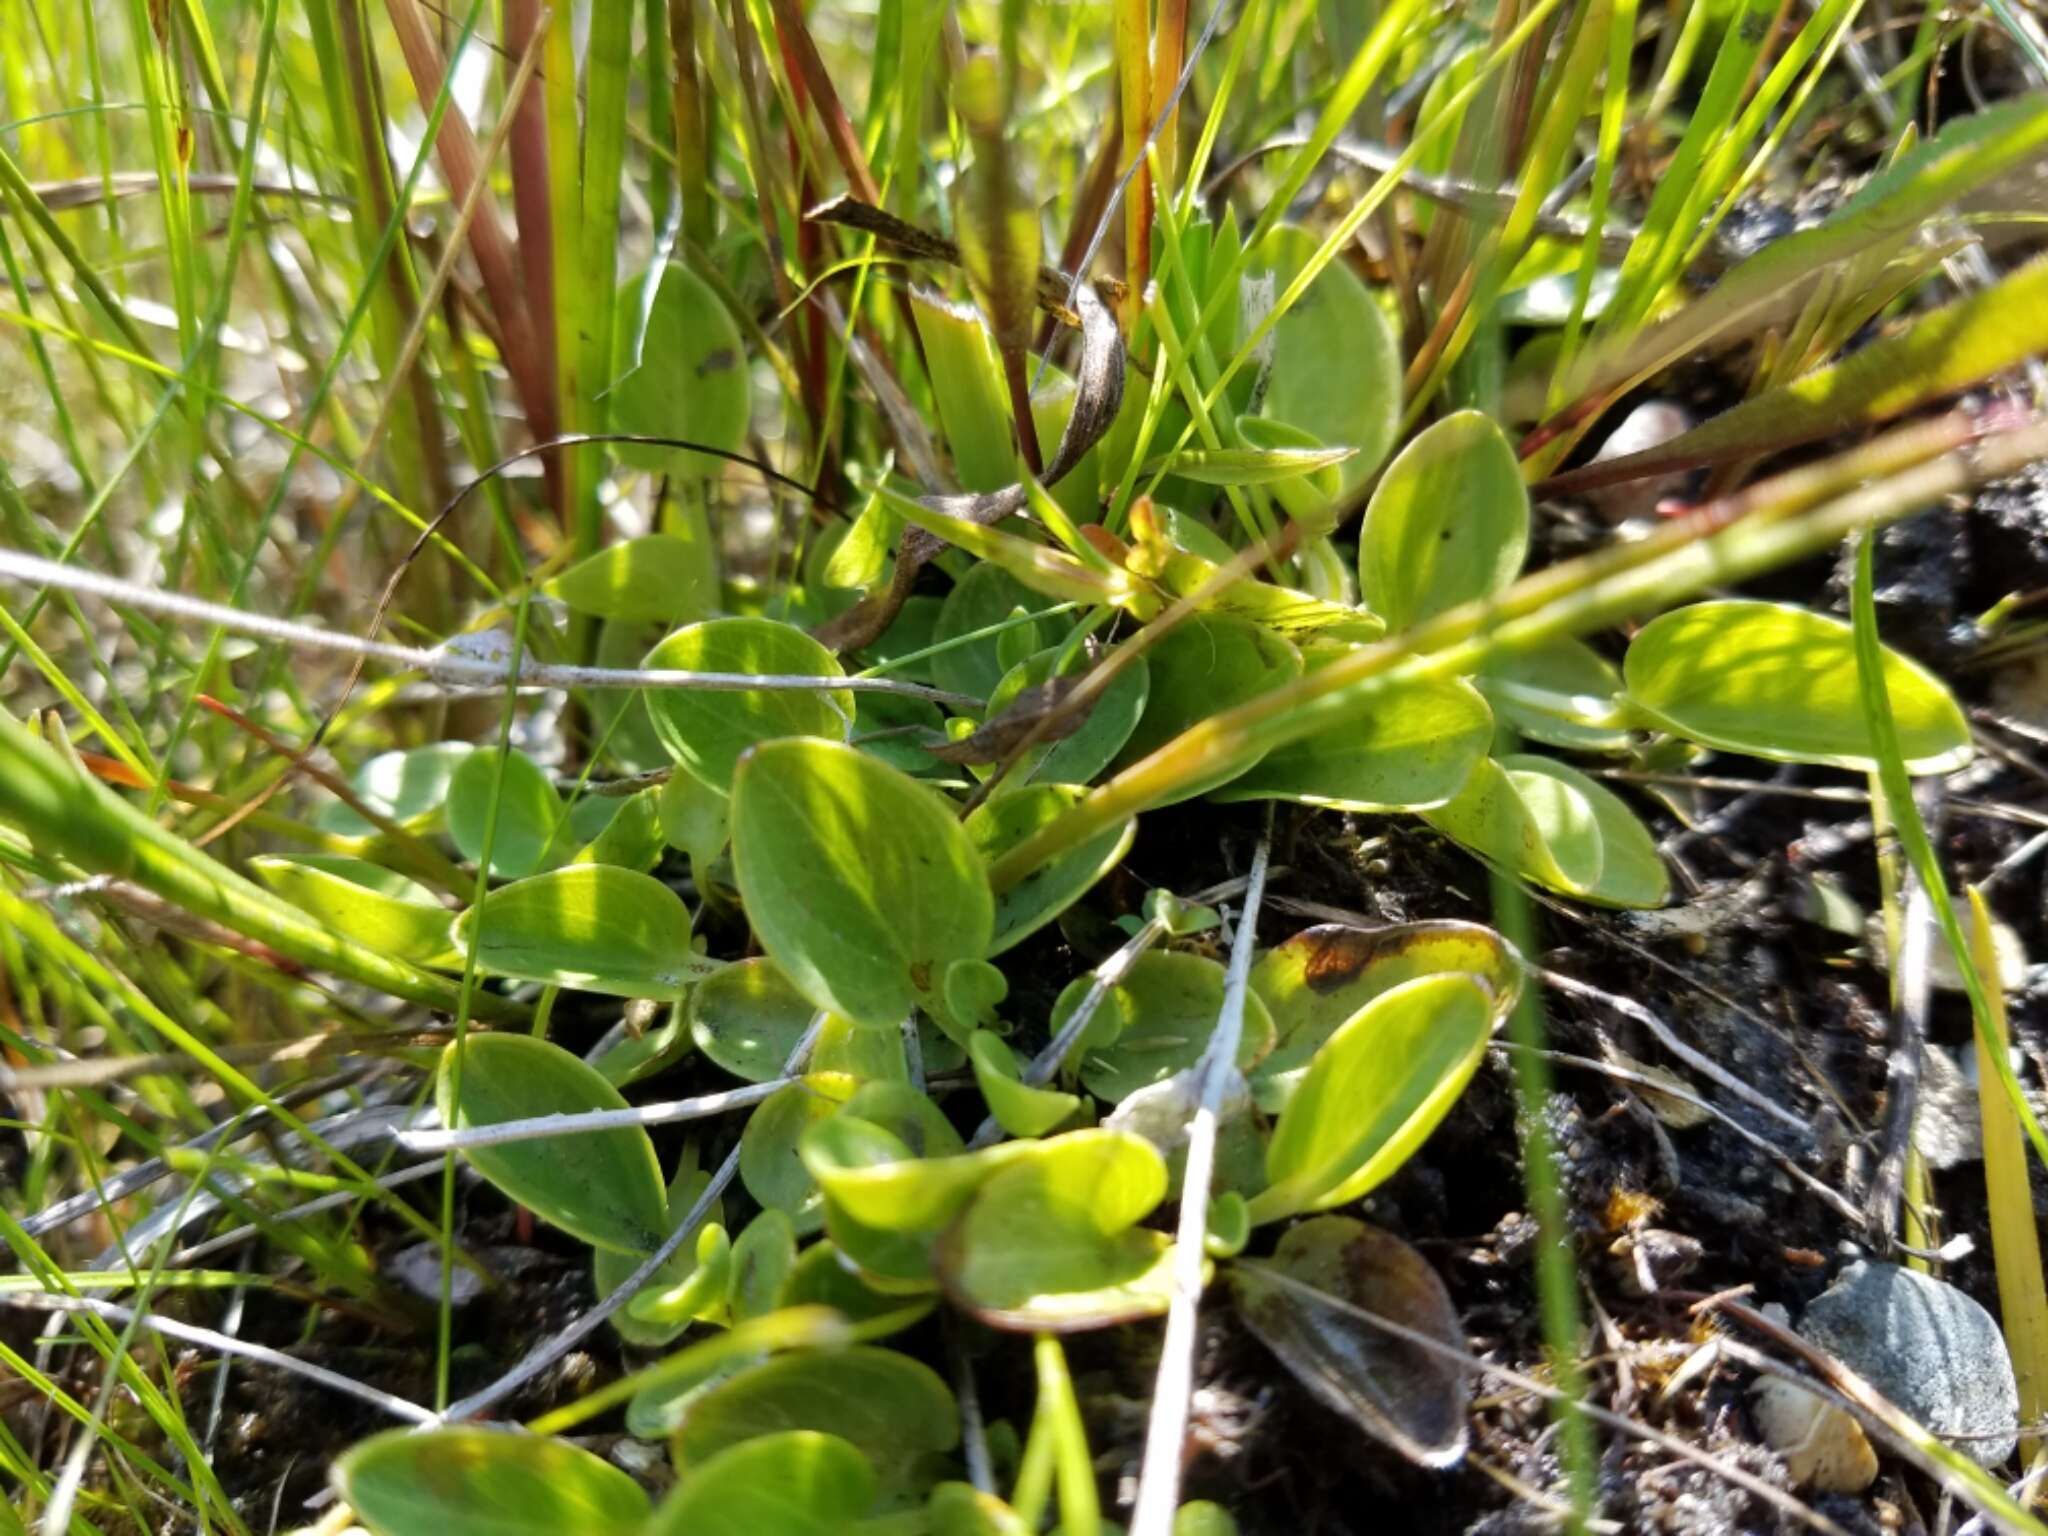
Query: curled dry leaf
[1311,1304]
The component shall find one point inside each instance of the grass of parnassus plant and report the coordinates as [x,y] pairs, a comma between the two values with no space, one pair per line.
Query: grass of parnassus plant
[367,749]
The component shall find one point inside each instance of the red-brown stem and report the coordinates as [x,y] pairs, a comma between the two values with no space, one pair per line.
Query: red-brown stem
[532,207]
[800,56]
[1016,372]
[496,260]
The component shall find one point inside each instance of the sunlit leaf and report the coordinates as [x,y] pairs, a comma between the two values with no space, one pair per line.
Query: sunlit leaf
[595,927]
[489,1482]
[1051,1240]
[1416,748]
[602,1186]
[1776,681]
[375,906]
[1304,1305]
[967,387]
[1448,522]
[1004,820]
[706,730]
[1373,1092]
[1323,976]
[1018,1108]
[786,1483]
[1245,466]
[860,881]
[1550,823]
[657,578]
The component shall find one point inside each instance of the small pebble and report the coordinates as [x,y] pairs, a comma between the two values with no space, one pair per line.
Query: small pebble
[1926,1346]
[1650,425]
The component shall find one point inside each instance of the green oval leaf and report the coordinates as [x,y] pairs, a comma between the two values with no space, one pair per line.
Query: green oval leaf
[823,1277]
[657,578]
[885,1205]
[529,816]
[793,1483]
[1051,1242]
[706,730]
[1777,681]
[1009,816]
[1336,370]
[987,595]
[1156,1022]
[681,374]
[1565,694]
[1374,1092]
[1416,748]
[1550,823]
[595,927]
[1111,718]
[1448,523]
[769,1166]
[410,787]
[1208,663]
[859,880]
[484,1482]
[894,1410]
[602,1186]
[1018,1108]
[377,907]
[610,1269]
[763,1259]
[1322,977]
[1304,1305]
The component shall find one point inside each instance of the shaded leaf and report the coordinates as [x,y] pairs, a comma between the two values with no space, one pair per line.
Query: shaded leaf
[1156,1022]
[1416,748]
[684,374]
[1208,663]
[1050,1241]
[529,812]
[1103,727]
[1565,694]
[410,787]
[1336,371]
[602,1186]
[894,1410]
[1004,820]
[987,595]
[1550,823]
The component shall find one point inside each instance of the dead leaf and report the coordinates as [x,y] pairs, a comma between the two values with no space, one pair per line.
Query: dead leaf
[1311,1304]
